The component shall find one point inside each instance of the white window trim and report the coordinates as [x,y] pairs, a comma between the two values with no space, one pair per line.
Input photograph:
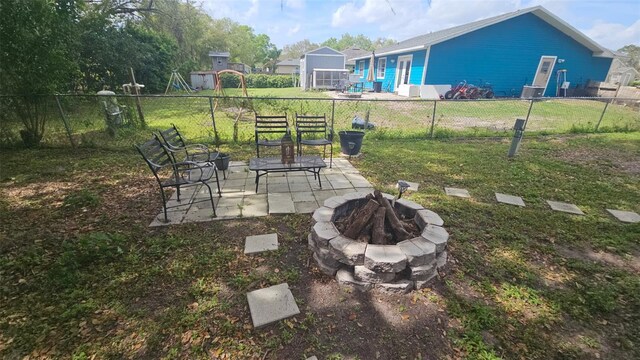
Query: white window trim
[426,64]
[400,58]
[361,68]
[378,69]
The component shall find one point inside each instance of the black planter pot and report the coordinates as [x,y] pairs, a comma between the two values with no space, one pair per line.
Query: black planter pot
[222,163]
[351,142]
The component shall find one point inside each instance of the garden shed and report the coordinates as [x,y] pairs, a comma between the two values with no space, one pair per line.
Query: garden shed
[204,80]
[329,61]
[528,47]
[288,66]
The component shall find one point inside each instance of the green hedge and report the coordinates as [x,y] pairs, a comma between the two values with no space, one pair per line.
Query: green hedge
[257,81]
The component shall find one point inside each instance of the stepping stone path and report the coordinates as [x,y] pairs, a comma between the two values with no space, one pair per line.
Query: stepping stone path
[463,193]
[564,207]
[271,304]
[259,243]
[625,216]
[509,199]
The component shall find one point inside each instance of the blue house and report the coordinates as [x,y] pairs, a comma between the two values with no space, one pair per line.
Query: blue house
[526,47]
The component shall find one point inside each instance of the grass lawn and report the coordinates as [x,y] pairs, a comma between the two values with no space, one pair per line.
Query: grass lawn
[81,274]
[393,119]
[292,92]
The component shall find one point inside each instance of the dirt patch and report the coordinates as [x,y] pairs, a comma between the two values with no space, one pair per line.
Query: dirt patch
[630,263]
[603,158]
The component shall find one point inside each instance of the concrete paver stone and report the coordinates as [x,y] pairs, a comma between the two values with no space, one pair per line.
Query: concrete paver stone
[625,216]
[259,243]
[509,199]
[271,304]
[463,193]
[564,207]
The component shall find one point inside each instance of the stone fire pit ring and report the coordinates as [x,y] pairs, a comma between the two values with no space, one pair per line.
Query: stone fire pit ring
[410,264]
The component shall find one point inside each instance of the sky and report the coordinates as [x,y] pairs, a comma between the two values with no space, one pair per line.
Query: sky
[611,23]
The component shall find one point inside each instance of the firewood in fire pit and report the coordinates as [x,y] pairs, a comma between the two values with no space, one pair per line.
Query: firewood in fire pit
[361,220]
[378,236]
[398,229]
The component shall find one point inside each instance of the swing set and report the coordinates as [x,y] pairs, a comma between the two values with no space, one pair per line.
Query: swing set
[219,91]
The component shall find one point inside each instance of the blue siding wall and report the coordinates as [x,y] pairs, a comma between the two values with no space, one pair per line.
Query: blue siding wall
[389,81]
[507,56]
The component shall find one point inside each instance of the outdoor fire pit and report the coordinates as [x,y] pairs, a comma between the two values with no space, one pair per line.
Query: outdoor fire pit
[369,240]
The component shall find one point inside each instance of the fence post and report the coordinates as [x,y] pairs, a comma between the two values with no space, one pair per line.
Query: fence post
[528,113]
[433,118]
[216,137]
[606,105]
[66,123]
[333,112]
[136,88]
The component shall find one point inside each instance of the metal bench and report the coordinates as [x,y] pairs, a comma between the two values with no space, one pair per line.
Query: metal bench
[171,174]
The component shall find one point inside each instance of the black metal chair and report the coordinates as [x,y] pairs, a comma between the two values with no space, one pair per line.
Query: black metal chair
[171,174]
[268,125]
[198,153]
[313,130]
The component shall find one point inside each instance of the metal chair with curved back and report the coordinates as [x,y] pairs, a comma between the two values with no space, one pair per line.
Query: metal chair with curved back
[178,174]
[313,130]
[198,153]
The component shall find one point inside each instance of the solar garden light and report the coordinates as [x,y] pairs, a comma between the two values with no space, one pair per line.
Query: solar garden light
[402,187]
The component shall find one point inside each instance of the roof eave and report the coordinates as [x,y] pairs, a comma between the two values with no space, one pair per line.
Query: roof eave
[392,52]
[541,12]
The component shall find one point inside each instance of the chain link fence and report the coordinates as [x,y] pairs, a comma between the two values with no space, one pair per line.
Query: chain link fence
[121,121]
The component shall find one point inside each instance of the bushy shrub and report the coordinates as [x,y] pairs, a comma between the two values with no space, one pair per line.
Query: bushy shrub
[257,81]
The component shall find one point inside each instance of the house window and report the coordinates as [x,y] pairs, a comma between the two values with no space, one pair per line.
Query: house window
[382,67]
[361,68]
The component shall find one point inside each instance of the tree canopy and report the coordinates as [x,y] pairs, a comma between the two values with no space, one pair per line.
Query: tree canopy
[633,55]
[80,45]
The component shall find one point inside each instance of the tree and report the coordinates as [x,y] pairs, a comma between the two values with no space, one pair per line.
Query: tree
[37,39]
[633,55]
[109,48]
[294,51]
[382,42]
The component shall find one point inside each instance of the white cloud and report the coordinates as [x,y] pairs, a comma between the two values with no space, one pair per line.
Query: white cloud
[294,4]
[253,9]
[293,30]
[405,18]
[614,36]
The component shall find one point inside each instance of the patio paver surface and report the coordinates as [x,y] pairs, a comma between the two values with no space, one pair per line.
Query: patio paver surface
[278,193]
